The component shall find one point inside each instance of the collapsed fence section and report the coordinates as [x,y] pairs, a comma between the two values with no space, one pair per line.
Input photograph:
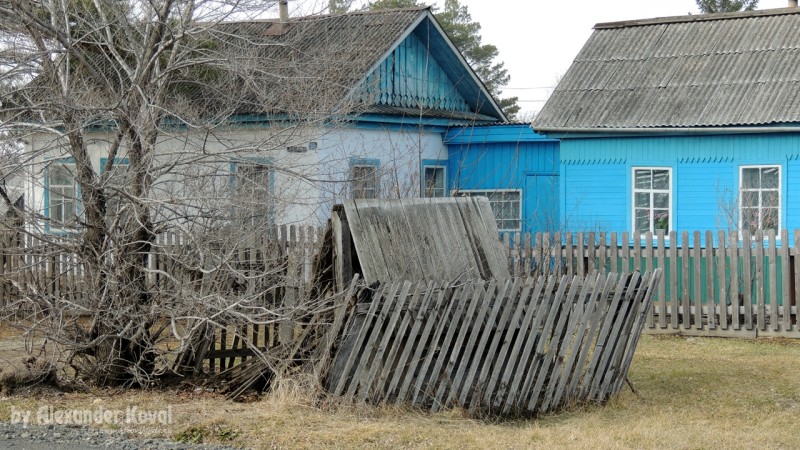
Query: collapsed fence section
[499,347]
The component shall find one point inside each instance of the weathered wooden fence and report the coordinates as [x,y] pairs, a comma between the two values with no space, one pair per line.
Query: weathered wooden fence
[714,283]
[498,347]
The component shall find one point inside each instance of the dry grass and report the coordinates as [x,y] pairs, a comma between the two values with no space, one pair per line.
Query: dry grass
[695,393]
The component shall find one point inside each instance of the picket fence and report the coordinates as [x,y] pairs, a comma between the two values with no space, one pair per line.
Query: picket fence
[713,283]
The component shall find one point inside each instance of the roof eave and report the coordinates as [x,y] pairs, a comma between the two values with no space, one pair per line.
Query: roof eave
[580,132]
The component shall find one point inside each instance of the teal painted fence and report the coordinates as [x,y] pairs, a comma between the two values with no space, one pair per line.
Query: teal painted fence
[717,284]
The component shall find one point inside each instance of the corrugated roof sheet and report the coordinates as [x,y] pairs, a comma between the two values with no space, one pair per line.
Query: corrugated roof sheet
[733,69]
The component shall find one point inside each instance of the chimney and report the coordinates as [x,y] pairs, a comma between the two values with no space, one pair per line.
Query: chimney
[792,3]
[283,7]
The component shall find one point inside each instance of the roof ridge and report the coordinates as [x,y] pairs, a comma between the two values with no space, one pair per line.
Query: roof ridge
[697,18]
[362,12]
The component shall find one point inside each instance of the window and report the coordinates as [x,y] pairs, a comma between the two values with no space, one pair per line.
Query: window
[253,192]
[760,198]
[434,181]
[61,201]
[506,206]
[652,199]
[364,179]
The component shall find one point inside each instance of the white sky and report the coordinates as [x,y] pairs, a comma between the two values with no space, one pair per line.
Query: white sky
[538,39]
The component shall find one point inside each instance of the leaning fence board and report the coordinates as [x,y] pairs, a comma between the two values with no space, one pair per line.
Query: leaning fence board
[525,353]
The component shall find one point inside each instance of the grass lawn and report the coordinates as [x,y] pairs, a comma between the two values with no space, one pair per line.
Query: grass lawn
[695,393]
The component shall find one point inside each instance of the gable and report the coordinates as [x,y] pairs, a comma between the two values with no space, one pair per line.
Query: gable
[411,77]
[424,74]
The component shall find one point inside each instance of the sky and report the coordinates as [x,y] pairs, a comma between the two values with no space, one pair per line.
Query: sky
[538,39]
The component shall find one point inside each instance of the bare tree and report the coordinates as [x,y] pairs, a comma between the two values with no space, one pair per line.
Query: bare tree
[158,92]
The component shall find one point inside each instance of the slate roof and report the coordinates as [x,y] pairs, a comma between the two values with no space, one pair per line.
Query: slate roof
[716,70]
[315,64]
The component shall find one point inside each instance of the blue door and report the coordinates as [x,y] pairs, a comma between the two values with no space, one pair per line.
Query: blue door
[540,211]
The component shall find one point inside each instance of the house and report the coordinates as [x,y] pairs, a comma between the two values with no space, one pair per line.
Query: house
[681,123]
[517,169]
[351,105]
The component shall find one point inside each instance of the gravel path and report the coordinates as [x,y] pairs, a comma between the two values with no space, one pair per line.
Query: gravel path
[65,437]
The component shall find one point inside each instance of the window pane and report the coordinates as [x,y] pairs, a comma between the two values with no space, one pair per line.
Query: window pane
[661,201]
[364,181]
[661,220]
[60,175]
[770,198]
[642,220]
[750,219]
[769,178]
[642,200]
[643,179]
[750,178]
[434,182]
[769,219]
[749,199]
[661,179]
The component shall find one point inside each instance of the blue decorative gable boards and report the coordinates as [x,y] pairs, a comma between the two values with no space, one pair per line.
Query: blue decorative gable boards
[412,78]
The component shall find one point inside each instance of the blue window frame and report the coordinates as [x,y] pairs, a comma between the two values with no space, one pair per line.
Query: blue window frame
[434,178]
[253,188]
[365,180]
[62,206]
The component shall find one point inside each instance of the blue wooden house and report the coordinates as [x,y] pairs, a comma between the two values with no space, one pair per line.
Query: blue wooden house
[681,123]
[514,167]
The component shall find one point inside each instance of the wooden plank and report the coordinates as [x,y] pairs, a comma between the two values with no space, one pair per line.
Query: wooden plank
[602,254]
[734,291]
[722,262]
[580,268]
[697,300]
[786,279]
[418,315]
[648,266]
[564,307]
[469,326]
[430,317]
[661,263]
[674,293]
[423,382]
[747,279]
[442,380]
[602,335]
[710,301]
[584,308]
[363,332]
[626,252]
[382,386]
[616,319]
[760,288]
[492,356]
[772,267]
[613,256]
[476,352]
[368,351]
[685,291]
[569,256]
[635,331]
[549,311]
[591,253]
[796,292]
[596,308]
[528,332]
[378,363]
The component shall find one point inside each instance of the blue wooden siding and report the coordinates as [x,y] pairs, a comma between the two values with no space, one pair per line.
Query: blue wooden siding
[596,177]
[412,78]
[508,157]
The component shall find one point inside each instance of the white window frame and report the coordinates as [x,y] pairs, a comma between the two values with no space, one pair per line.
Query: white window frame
[425,191]
[779,191]
[670,191]
[484,192]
